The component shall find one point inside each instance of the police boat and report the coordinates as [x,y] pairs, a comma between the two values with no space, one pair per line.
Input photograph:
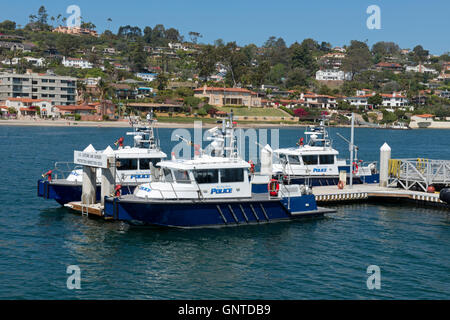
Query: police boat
[133,166]
[314,162]
[214,189]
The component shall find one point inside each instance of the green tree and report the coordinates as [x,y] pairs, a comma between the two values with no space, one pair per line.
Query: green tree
[375,100]
[161,81]
[8,25]
[206,61]
[138,58]
[358,57]
[42,17]
[297,77]
[67,44]
[419,54]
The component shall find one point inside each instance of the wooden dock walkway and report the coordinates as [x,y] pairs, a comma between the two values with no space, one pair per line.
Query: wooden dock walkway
[328,194]
[95,209]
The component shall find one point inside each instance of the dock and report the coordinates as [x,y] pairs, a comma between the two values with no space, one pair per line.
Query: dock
[95,209]
[332,194]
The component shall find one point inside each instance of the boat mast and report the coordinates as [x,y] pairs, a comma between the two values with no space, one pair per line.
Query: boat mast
[352,136]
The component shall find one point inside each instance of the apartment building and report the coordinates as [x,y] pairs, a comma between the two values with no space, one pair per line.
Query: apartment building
[58,90]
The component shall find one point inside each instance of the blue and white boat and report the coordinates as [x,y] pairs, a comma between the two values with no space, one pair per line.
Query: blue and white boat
[212,190]
[133,167]
[314,162]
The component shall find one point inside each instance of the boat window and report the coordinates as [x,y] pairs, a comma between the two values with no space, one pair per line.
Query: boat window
[293,159]
[283,158]
[326,159]
[168,175]
[206,176]
[127,164]
[144,164]
[231,175]
[308,160]
[181,176]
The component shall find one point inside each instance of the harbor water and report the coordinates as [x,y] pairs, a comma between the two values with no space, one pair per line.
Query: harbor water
[317,259]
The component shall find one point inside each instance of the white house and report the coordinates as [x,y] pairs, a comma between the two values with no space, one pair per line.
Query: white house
[333,75]
[109,50]
[26,106]
[177,46]
[76,63]
[148,77]
[38,62]
[358,100]
[421,69]
[396,99]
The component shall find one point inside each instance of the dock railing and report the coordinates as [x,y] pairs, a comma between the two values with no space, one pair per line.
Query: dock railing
[418,173]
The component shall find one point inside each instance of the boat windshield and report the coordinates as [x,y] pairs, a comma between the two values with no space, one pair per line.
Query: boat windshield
[206,176]
[182,176]
[144,163]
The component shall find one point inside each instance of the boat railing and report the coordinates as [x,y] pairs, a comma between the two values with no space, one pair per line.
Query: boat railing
[62,169]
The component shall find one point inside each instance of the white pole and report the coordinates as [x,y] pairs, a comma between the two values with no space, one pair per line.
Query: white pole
[385,156]
[351,149]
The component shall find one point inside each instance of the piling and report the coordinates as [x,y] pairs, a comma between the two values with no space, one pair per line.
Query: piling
[89,188]
[108,181]
[385,156]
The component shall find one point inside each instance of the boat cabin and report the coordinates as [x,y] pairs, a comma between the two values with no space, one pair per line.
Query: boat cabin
[204,177]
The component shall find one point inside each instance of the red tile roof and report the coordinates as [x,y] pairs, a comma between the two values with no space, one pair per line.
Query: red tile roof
[388,65]
[224,89]
[425,115]
[74,108]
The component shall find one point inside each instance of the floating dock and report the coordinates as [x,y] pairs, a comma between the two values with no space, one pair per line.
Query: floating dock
[361,192]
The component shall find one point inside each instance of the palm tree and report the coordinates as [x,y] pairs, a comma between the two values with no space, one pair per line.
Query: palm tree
[103,87]
[81,89]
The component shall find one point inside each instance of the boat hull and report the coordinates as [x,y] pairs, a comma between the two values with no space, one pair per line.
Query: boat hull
[201,214]
[63,192]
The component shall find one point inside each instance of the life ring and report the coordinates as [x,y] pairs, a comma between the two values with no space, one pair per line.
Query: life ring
[118,190]
[355,170]
[273,187]
[252,166]
[340,184]
[48,174]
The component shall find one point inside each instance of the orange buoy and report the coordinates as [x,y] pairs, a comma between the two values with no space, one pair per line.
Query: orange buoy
[431,189]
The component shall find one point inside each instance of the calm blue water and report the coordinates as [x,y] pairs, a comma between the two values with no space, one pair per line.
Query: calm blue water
[321,259]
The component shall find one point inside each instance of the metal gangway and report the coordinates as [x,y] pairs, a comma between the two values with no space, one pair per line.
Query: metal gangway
[418,174]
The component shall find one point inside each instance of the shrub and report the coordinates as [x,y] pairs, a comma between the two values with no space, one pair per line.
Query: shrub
[77,117]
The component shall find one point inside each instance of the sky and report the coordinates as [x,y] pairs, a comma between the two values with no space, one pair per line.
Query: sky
[406,22]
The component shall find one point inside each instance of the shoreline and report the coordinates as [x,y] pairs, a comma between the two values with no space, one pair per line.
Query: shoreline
[184,125]
[125,124]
